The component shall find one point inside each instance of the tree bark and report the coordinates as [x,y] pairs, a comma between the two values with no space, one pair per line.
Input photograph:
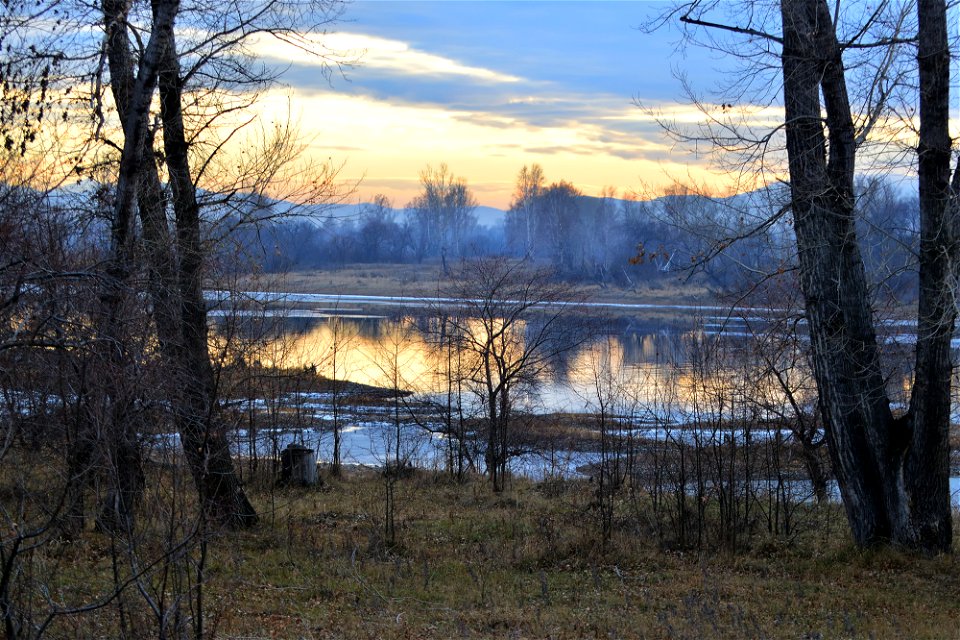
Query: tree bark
[926,463]
[883,464]
[174,281]
[204,436]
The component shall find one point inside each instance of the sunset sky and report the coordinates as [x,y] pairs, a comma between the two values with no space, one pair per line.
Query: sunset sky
[490,86]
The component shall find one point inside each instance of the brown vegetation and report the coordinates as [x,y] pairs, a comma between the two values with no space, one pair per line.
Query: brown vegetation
[427,279]
[525,564]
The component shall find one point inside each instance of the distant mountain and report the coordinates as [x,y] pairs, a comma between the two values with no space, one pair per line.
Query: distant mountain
[488,217]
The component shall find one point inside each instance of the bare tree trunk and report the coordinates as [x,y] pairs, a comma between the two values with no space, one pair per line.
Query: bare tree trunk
[175,286]
[204,437]
[125,476]
[126,479]
[503,430]
[882,464]
[815,467]
[80,465]
[927,462]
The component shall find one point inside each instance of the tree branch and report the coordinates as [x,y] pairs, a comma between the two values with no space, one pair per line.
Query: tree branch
[726,27]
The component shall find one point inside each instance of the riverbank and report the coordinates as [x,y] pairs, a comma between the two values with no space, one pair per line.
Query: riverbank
[428,280]
[302,407]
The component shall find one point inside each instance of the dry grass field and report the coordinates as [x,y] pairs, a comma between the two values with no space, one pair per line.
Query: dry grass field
[427,280]
[526,563]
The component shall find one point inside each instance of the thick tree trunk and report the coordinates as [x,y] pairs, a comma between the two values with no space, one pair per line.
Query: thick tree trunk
[926,466]
[126,466]
[873,456]
[174,285]
[118,440]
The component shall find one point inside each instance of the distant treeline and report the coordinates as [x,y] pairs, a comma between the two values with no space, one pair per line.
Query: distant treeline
[723,242]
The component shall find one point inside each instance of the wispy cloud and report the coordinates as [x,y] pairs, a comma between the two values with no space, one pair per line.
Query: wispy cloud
[374,52]
[488,91]
[387,142]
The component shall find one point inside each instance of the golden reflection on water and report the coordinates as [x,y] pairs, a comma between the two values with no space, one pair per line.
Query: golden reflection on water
[635,372]
[654,374]
[383,354]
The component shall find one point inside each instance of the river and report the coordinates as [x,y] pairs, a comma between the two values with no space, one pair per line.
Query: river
[665,361]
[658,368]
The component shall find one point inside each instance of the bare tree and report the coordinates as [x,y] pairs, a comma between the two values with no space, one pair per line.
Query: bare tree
[191,103]
[782,375]
[102,313]
[613,413]
[342,338]
[514,320]
[443,213]
[892,468]
[521,217]
[175,265]
[453,371]
[379,234]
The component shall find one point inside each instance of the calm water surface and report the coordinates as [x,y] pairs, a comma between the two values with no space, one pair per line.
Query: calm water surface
[695,367]
[655,369]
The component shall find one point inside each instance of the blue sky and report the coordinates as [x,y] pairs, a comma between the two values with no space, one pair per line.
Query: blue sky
[490,86]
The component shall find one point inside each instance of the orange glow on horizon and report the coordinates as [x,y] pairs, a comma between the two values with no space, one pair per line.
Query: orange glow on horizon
[383,147]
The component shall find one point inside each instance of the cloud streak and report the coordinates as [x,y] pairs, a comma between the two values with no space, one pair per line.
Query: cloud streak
[388,142]
[489,88]
[373,52]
